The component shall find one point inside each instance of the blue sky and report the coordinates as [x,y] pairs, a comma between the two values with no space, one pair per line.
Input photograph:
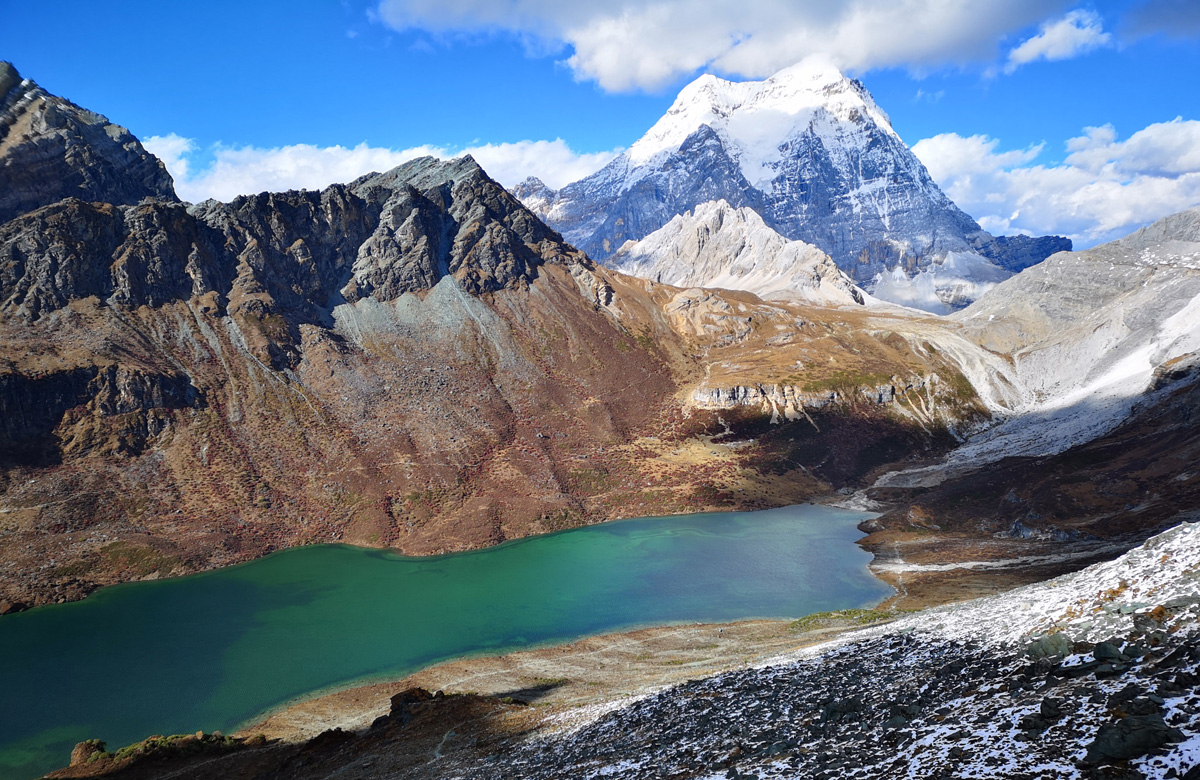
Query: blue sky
[243,96]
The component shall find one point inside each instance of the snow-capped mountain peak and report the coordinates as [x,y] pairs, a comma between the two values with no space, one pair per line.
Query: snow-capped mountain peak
[755,119]
[811,153]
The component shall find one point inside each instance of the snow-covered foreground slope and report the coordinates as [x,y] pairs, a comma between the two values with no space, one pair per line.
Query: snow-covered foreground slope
[1101,601]
[811,152]
[1094,674]
[719,246]
[1089,335]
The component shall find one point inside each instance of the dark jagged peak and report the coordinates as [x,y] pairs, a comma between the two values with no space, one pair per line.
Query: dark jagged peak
[51,149]
[149,254]
[422,173]
[444,218]
[1016,253]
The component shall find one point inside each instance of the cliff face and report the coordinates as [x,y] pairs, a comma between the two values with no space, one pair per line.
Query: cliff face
[51,149]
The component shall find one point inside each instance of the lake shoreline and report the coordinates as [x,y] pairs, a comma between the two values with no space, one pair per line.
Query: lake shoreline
[213,650]
[743,643]
[573,676]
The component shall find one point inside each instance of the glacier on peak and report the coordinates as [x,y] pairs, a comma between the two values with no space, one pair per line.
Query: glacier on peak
[755,118]
[810,152]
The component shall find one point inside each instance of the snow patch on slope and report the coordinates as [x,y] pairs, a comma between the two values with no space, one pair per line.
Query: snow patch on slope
[1091,605]
[1086,333]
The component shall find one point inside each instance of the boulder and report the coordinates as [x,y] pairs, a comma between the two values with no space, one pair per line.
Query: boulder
[1049,646]
[1109,652]
[84,751]
[1129,738]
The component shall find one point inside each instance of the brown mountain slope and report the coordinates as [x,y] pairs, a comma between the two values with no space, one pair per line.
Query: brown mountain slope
[410,360]
[1057,512]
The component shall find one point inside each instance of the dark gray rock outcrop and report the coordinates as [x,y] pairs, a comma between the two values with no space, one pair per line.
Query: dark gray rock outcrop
[32,406]
[1016,253]
[51,149]
[299,252]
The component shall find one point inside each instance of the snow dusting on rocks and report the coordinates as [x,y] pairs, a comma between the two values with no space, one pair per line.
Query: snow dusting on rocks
[1090,675]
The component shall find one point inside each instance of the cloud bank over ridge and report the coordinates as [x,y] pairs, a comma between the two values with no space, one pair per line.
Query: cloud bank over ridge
[1103,189]
[248,170]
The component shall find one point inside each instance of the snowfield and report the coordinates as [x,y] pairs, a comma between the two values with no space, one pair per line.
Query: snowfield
[1089,334]
[810,152]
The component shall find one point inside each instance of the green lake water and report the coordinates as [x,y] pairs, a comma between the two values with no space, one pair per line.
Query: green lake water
[213,650]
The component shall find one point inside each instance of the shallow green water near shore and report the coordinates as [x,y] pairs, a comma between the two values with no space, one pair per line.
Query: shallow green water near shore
[213,650]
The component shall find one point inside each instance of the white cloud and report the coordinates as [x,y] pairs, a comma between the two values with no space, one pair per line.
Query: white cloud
[553,162]
[632,44]
[1165,149]
[248,170]
[1076,33]
[173,150]
[1104,189]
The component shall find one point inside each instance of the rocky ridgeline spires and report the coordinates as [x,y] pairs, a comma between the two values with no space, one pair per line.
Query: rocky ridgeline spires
[295,253]
[86,211]
[815,156]
[52,149]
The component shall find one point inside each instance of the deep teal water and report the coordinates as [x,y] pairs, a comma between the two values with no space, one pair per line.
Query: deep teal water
[211,651]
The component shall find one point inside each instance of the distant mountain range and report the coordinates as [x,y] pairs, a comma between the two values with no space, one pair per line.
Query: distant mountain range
[810,151]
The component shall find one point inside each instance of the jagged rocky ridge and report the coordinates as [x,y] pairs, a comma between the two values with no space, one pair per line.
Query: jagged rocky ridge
[810,151]
[719,246]
[300,252]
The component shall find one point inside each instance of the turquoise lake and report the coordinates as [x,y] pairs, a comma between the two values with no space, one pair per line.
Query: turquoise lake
[213,650]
